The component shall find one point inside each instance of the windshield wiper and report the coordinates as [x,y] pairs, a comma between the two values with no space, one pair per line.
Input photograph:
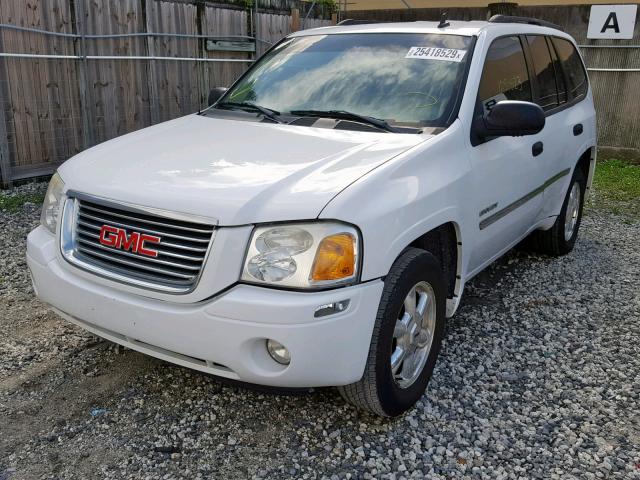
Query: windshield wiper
[344,115]
[267,112]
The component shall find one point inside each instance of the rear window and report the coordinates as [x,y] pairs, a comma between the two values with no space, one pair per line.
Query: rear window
[572,66]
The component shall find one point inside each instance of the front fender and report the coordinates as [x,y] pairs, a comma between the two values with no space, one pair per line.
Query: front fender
[402,200]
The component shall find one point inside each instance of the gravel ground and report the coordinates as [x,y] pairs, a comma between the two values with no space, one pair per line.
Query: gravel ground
[539,377]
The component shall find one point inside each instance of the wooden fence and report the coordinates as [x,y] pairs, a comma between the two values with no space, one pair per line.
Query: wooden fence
[82,93]
[52,108]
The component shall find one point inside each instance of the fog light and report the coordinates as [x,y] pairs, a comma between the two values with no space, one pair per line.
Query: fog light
[278,352]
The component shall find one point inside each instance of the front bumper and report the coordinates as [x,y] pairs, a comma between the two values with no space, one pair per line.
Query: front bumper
[225,335]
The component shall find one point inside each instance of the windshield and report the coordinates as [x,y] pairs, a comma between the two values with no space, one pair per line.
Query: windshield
[404,78]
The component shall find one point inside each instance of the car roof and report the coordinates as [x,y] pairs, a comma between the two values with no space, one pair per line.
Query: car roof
[455,28]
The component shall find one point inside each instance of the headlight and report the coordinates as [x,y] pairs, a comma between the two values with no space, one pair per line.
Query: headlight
[53,201]
[304,255]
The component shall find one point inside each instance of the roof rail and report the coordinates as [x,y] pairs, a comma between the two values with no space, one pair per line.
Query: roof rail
[351,21]
[527,20]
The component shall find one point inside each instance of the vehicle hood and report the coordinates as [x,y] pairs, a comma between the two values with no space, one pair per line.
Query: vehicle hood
[237,172]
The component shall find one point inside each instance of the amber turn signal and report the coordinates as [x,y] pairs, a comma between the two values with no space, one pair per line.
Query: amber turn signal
[335,258]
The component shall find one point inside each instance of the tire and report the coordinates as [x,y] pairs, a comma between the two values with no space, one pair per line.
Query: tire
[379,390]
[554,242]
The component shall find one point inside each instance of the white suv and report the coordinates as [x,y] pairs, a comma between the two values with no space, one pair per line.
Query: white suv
[317,224]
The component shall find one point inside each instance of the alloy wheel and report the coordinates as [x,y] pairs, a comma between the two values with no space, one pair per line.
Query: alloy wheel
[573,212]
[413,334]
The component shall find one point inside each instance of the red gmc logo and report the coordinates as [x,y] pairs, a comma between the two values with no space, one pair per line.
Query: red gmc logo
[134,242]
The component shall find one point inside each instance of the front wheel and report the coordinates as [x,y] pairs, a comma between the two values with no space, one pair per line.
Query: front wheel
[406,337]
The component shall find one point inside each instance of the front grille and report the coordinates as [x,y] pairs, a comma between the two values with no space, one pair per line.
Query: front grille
[181,251]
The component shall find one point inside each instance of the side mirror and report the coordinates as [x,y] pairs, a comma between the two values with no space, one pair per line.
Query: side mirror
[215,94]
[510,118]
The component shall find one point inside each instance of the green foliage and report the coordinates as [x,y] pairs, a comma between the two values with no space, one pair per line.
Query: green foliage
[14,203]
[616,186]
[331,5]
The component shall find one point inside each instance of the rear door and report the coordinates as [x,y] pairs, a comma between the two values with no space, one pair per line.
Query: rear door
[571,121]
[506,175]
[550,93]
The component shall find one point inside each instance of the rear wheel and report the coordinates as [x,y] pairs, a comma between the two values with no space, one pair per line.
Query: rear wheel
[561,237]
[406,338]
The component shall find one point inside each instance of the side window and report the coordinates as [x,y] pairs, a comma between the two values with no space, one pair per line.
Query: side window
[505,75]
[560,79]
[545,74]
[572,66]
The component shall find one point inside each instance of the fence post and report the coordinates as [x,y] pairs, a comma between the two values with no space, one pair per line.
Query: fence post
[256,24]
[201,52]
[154,102]
[5,159]
[295,19]
[88,136]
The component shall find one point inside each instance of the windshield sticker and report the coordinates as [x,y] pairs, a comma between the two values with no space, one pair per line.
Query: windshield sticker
[432,53]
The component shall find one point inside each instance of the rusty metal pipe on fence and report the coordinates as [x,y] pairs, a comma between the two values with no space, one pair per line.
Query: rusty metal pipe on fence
[127,35]
[121,57]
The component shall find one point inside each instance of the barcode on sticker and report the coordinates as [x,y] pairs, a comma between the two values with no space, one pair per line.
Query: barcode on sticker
[433,53]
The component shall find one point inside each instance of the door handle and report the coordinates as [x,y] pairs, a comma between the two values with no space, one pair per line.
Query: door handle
[578,129]
[537,148]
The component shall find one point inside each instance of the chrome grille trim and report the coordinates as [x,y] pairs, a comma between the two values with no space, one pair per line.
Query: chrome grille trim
[164,252]
[166,244]
[152,262]
[151,222]
[182,252]
[86,216]
[153,270]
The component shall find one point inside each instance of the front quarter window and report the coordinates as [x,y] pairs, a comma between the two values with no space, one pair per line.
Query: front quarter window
[505,75]
[408,79]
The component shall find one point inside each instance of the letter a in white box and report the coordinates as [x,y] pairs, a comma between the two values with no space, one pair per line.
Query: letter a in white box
[615,22]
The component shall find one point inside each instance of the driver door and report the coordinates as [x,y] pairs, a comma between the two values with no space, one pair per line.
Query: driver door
[506,175]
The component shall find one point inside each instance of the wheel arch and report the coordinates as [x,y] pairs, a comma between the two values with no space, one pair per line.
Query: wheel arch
[587,163]
[445,243]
